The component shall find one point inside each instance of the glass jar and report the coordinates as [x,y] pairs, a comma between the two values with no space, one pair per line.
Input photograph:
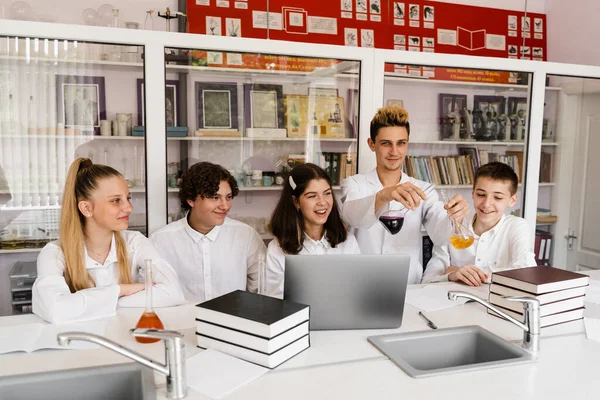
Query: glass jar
[279,178]
[257,177]
[268,178]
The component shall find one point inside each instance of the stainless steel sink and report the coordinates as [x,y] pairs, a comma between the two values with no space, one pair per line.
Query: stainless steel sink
[130,381]
[444,351]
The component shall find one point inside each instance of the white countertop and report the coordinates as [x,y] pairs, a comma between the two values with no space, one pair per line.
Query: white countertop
[342,364]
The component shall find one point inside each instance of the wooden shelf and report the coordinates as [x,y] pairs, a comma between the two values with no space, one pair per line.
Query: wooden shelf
[269,188]
[473,143]
[75,137]
[36,59]
[420,80]
[247,139]
[17,251]
[30,208]
[238,71]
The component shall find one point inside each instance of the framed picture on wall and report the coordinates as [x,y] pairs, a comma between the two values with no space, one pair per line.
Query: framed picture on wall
[263,106]
[394,103]
[171,104]
[216,106]
[451,108]
[488,120]
[81,102]
[516,104]
[322,91]
[494,105]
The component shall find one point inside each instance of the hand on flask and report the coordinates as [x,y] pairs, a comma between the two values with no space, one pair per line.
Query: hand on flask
[457,208]
[127,289]
[468,274]
[407,194]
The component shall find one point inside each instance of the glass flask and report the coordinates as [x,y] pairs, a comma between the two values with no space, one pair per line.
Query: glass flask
[461,237]
[149,319]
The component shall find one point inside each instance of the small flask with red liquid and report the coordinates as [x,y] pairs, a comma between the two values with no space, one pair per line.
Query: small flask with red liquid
[149,319]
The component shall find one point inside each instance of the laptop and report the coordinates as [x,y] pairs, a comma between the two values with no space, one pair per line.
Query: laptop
[348,291]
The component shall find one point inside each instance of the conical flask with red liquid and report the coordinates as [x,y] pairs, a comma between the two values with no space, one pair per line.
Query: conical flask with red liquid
[149,319]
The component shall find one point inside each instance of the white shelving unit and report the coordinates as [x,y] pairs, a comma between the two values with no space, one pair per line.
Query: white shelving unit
[247,139]
[18,251]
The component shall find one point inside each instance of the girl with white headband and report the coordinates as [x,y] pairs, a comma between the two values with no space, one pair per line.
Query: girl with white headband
[305,221]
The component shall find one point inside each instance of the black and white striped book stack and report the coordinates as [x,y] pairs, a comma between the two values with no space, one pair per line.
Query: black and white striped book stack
[256,328]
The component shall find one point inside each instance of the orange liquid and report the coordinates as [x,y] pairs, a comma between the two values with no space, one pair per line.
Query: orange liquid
[461,243]
[151,321]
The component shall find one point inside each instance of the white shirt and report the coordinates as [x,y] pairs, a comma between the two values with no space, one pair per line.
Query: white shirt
[507,245]
[225,259]
[358,210]
[54,302]
[276,258]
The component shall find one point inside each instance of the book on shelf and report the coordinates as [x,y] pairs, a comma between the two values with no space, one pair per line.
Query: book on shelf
[266,360]
[540,280]
[545,309]
[249,341]
[545,298]
[441,170]
[548,320]
[218,133]
[338,166]
[546,167]
[542,247]
[252,313]
[517,162]
[546,219]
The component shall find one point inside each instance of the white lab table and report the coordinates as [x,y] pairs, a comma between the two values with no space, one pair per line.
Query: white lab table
[342,364]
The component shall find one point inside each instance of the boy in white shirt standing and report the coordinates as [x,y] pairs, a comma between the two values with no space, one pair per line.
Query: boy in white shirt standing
[501,241]
[212,254]
[365,197]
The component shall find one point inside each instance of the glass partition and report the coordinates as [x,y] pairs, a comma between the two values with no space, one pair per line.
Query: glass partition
[567,218]
[461,119]
[60,100]
[258,115]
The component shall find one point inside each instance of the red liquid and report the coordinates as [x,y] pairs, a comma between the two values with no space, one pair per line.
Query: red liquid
[392,224]
[151,321]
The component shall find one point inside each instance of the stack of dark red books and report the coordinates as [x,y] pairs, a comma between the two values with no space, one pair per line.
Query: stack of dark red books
[560,293]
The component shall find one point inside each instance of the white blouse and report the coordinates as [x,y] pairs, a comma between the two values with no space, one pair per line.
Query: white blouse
[276,259]
[54,302]
[507,245]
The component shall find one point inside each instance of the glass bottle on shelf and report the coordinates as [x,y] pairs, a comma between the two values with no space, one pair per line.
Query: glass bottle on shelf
[149,21]
[149,319]
[172,175]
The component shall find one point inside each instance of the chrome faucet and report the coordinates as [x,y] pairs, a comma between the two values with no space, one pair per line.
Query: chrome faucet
[531,311]
[174,367]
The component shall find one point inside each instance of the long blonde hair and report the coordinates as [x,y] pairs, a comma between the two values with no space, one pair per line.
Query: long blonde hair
[82,180]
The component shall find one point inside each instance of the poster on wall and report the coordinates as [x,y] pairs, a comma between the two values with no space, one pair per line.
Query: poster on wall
[417,25]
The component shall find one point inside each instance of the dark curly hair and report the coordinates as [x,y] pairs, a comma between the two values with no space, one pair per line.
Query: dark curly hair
[203,179]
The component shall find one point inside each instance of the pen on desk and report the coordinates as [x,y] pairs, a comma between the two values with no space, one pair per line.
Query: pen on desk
[429,322]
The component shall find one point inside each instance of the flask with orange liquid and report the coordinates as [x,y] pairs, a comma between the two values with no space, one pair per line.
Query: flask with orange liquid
[149,319]
[461,237]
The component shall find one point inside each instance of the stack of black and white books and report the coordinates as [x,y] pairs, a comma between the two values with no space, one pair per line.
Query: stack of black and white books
[256,328]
